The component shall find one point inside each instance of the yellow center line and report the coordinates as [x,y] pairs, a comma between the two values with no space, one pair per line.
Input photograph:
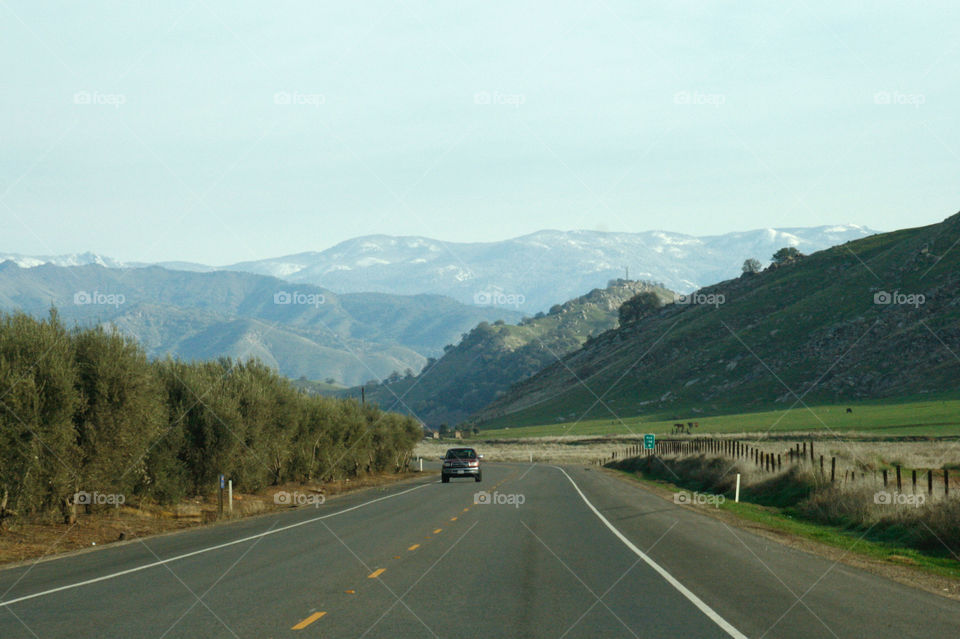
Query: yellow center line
[376,573]
[465,509]
[309,620]
[453,519]
[414,547]
[437,530]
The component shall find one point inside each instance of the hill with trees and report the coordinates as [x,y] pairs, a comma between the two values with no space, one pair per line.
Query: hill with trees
[492,356]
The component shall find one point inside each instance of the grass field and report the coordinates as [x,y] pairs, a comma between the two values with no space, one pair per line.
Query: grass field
[914,417]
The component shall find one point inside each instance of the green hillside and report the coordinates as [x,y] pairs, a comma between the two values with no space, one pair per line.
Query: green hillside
[491,357]
[808,330]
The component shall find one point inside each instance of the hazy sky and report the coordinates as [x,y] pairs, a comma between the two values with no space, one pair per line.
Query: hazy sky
[228,131]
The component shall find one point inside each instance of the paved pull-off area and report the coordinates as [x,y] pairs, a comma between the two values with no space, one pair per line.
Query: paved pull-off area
[547,552]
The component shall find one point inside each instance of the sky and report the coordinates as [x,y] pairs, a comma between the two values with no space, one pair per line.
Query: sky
[219,132]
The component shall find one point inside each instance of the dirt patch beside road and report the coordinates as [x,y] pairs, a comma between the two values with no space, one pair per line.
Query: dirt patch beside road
[25,541]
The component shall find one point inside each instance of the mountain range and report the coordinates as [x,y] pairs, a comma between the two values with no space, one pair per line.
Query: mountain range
[390,303]
[528,273]
[301,330]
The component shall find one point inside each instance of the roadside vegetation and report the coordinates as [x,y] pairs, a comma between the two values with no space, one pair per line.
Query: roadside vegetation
[84,412]
[907,528]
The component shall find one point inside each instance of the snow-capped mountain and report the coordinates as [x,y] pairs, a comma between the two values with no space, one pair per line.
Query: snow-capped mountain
[535,271]
[71,259]
[528,273]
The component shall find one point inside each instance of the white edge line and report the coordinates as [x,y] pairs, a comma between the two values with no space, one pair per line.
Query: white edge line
[201,551]
[695,600]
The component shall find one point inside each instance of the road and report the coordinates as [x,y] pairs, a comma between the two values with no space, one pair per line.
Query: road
[585,554]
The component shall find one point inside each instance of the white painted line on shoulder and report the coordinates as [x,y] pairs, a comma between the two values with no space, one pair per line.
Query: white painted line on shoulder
[695,600]
[201,551]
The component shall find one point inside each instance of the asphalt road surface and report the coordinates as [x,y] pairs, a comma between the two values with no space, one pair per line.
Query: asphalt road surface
[571,552]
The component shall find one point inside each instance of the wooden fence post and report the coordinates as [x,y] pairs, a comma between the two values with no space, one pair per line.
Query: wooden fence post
[833,469]
[884,477]
[899,482]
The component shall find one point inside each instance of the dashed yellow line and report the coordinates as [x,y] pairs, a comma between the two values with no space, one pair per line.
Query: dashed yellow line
[376,573]
[309,620]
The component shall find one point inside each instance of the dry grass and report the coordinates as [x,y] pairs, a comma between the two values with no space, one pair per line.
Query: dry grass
[871,453]
[909,519]
[853,451]
[861,459]
[556,450]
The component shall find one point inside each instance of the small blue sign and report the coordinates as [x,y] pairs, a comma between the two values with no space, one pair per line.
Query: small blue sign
[222,483]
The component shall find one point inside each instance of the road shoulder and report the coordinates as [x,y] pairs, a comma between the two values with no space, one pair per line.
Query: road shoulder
[904,574]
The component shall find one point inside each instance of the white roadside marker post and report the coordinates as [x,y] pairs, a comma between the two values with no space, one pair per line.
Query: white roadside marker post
[230,495]
[736,496]
[421,464]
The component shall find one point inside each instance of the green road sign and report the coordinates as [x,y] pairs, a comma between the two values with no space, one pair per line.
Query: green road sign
[649,441]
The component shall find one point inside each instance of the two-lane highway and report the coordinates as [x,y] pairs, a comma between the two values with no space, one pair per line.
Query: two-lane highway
[548,552]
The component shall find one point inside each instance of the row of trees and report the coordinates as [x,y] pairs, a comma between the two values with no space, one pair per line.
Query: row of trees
[85,410]
[783,256]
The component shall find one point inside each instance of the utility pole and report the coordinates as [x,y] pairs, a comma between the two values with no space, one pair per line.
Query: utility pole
[363,396]
[626,275]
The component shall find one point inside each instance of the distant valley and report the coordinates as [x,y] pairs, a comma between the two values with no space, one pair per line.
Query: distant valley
[492,357]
